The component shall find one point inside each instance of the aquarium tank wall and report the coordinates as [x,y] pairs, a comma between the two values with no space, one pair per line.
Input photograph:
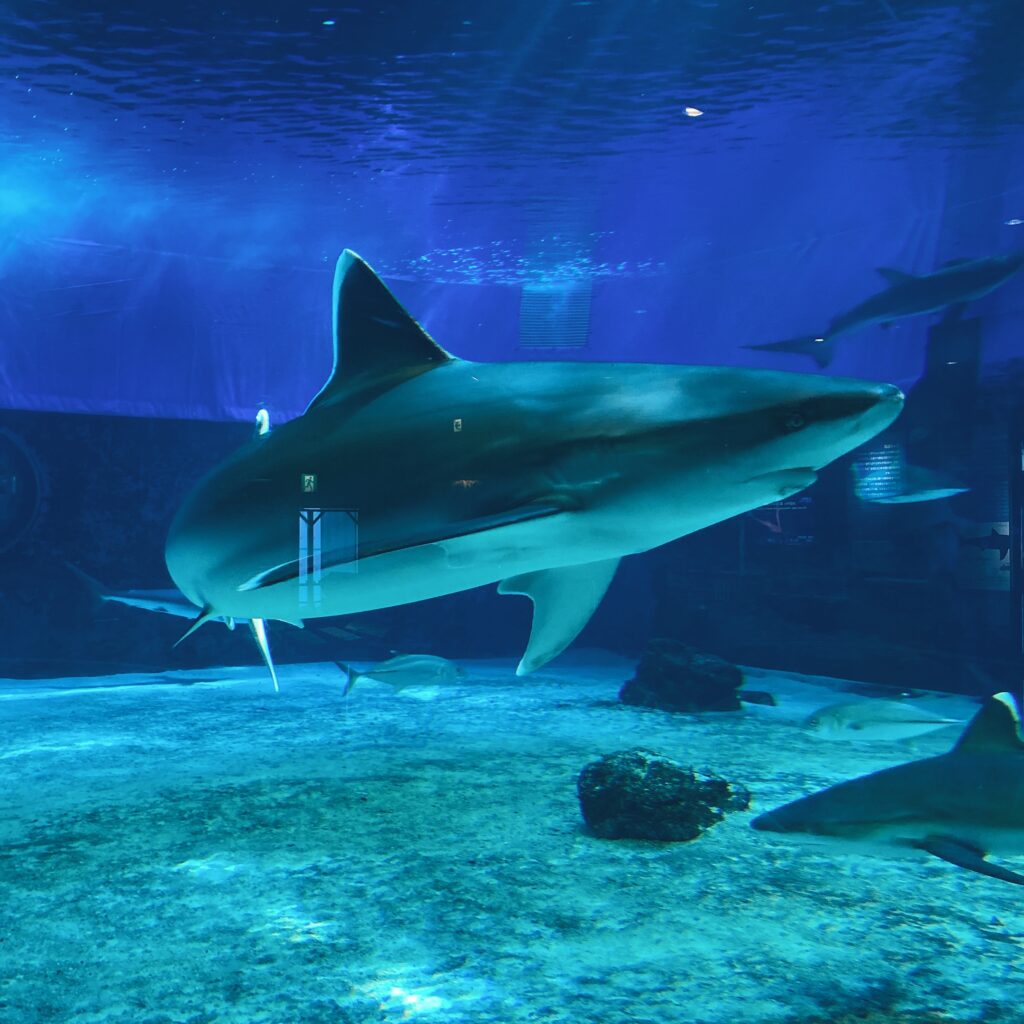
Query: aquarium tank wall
[511,512]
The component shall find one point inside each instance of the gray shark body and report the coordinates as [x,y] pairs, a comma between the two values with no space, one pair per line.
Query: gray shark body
[960,806]
[950,287]
[538,475]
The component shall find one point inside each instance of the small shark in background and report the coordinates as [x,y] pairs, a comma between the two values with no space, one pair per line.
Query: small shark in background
[538,476]
[168,602]
[959,807]
[914,484]
[173,602]
[949,288]
[995,541]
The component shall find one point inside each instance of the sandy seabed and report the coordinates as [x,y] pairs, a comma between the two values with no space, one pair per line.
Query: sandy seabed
[195,848]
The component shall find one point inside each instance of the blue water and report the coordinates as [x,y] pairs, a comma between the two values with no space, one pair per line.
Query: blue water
[657,181]
[450,145]
[460,143]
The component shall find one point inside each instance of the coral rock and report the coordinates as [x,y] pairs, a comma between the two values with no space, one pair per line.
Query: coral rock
[639,794]
[674,677]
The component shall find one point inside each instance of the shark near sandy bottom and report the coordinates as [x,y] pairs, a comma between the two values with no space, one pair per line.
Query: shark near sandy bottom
[959,806]
[540,476]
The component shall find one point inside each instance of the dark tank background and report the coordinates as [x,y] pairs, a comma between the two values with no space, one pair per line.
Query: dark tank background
[619,181]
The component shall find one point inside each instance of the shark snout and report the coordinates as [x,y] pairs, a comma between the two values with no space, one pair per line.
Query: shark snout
[889,393]
[878,401]
[793,820]
[889,396]
[856,412]
[770,821]
[884,402]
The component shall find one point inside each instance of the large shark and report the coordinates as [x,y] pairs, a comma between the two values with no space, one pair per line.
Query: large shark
[959,806]
[948,288]
[443,474]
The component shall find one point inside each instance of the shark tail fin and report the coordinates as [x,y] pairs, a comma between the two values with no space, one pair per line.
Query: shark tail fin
[351,676]
[259,634]
[817,346]
[201,619]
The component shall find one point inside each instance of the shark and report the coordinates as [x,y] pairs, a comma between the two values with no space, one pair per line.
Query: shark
[911,485]
[442,474]
[167,601]
[951,287]
[995,541]
[959,806]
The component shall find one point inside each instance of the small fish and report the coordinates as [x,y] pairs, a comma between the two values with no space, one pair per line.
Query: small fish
[874,720]
[408,670]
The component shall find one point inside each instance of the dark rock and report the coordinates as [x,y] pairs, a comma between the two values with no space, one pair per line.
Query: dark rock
[674,677]
[638,794]
[758,697]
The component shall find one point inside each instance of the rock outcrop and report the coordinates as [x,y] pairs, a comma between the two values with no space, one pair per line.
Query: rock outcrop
[674,677]
[639,794]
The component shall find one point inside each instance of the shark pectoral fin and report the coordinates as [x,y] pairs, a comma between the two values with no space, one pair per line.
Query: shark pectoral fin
[563,601]
[893,276]
[965,856]
[259,634]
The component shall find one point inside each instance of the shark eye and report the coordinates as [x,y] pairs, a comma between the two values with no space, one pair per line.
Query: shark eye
[796,420]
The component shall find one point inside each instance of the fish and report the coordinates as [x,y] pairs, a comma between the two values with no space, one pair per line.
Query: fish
[426,474]
[914,484]
[960,806]
[407,670]
[949,288]
[875,720]
[995,541]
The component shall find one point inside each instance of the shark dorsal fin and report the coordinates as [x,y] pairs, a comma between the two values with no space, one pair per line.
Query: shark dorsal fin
[893,276]
[994,729]
[374,337]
